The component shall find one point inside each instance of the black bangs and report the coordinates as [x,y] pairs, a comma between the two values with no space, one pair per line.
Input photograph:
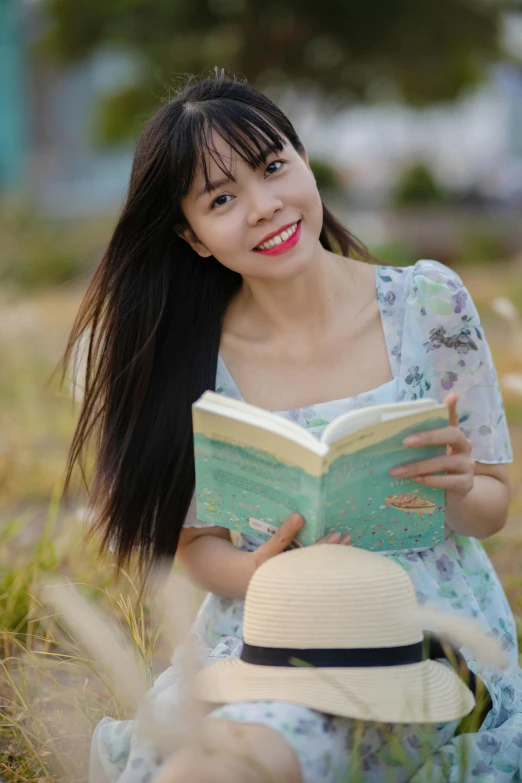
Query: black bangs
[247,131]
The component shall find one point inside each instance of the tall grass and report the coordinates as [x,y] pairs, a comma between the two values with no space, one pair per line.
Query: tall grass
[52,693]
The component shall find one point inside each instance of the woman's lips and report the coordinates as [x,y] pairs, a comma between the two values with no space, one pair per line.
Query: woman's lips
[284,246]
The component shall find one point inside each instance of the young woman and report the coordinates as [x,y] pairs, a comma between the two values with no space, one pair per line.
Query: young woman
[225,271]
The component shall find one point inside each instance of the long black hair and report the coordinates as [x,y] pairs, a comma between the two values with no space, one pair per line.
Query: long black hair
[152,314]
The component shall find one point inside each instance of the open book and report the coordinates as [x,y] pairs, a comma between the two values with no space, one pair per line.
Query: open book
[254,468]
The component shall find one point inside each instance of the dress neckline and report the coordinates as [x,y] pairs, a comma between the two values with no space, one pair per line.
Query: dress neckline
[231,382]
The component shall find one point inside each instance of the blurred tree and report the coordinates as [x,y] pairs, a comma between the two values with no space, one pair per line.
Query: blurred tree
[395,253]
[417,185]
[325,175]
[420,50]
[484,246]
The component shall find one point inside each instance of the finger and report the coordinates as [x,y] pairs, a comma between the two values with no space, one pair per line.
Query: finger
[282,537]
[450,463]
[459,481]
[443,436]
[453,416]
[331,538]
[451,401]
[346,540]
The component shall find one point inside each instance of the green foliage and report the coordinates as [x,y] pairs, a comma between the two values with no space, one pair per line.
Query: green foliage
[351,51]
[513,412]
[16,587]
[325,175]
[417,185]
[482,247]
[121,114]
[394,253]
[19,574]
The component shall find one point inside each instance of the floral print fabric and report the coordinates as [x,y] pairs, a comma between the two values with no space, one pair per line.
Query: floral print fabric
[435,344]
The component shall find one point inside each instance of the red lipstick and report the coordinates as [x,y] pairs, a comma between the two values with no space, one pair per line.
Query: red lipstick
[288,244]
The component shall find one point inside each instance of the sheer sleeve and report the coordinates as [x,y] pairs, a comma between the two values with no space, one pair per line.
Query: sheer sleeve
[191,519]
[444,349]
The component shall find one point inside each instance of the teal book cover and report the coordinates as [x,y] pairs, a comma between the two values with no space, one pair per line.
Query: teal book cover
[382,512]
[252,491]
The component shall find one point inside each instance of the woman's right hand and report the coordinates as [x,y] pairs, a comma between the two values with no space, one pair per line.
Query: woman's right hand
[284,537]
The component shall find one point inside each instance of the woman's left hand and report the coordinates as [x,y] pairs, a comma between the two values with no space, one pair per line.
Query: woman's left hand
[457,464]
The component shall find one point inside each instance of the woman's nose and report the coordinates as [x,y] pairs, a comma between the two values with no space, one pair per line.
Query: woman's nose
[263,206]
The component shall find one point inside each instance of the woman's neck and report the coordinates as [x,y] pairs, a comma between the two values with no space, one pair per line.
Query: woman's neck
[304,305]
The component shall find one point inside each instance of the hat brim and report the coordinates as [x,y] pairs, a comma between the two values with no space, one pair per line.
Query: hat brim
[425,692]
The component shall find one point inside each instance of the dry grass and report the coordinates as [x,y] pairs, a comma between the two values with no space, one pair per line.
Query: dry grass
[51,692]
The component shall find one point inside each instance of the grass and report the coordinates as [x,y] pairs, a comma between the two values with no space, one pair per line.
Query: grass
[51,693]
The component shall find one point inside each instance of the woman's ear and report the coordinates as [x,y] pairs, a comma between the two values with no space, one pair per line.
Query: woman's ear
[189,236]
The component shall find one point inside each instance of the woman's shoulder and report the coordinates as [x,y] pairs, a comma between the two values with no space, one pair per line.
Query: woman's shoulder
[429,282]
[426,269]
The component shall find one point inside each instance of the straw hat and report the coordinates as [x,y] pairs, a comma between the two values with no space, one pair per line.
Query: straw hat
[338,629]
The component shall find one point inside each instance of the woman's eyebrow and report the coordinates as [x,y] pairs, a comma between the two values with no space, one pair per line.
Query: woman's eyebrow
[218,183]
[211,186]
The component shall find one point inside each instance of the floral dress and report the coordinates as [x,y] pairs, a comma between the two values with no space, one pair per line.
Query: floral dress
[435,343]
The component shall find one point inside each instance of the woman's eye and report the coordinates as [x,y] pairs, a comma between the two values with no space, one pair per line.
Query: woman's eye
[216,200]
[217,203]
[275,162]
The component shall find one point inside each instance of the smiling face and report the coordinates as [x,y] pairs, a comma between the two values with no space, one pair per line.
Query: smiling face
[236,217]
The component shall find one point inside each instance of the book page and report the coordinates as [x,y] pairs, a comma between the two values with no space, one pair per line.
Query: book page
[366,417]
[243,411]
[251,479]
[383,512]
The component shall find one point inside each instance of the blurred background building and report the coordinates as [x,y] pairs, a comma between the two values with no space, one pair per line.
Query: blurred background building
[14,144]
[47,151]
